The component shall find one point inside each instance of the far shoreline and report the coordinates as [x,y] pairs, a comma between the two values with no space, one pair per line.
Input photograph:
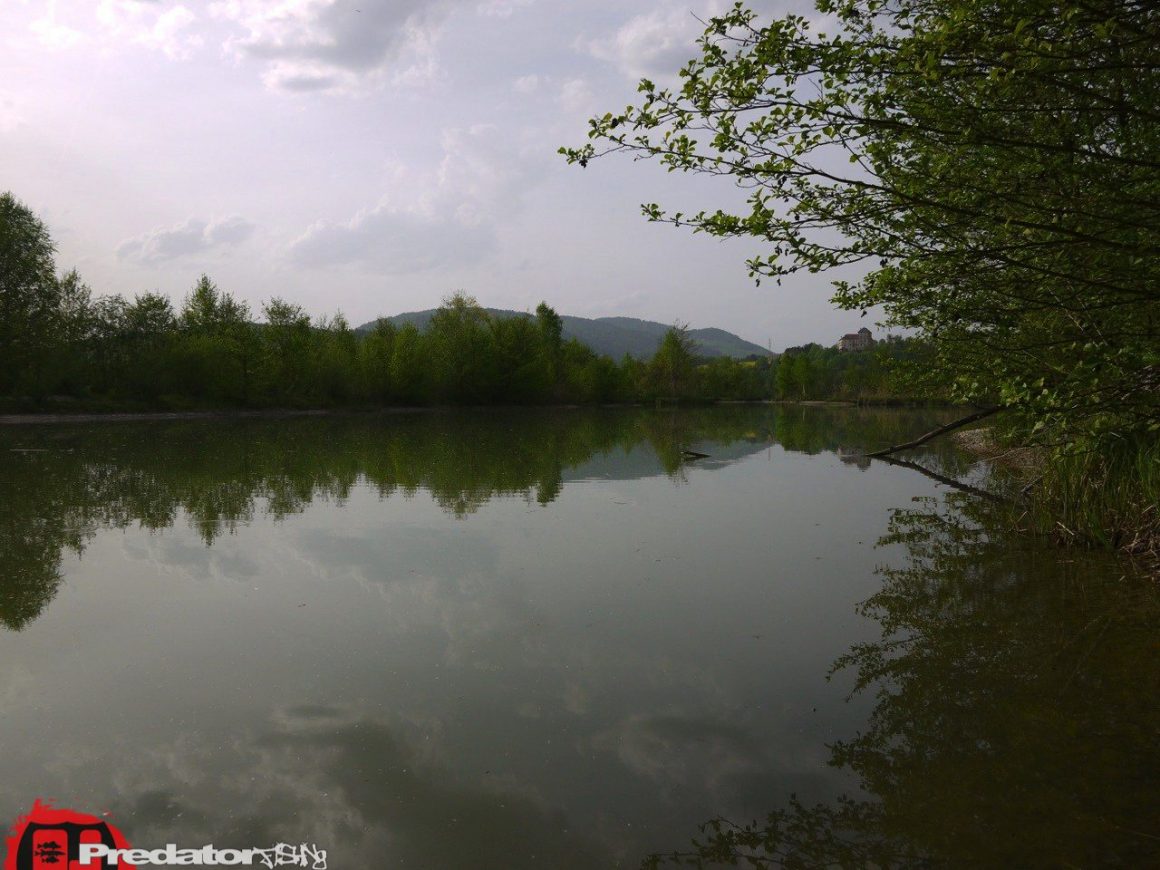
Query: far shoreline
[56,417]
[28,418]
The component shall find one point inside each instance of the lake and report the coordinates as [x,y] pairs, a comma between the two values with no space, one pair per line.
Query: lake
[507,639]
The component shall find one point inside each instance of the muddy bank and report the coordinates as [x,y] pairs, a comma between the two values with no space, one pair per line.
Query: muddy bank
[981,442]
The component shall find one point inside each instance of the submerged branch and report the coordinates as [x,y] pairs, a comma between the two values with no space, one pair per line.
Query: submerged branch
[934,433]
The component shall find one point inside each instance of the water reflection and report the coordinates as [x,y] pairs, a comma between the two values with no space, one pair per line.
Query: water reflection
[1015,719]
[356,784]
[545,639]
[63,484]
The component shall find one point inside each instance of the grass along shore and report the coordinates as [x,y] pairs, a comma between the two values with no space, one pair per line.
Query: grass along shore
[1082,496]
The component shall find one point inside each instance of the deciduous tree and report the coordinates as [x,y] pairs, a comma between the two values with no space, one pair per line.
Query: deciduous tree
[29,296]
[994,164]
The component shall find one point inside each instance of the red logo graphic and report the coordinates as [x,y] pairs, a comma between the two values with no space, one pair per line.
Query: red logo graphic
[50,839]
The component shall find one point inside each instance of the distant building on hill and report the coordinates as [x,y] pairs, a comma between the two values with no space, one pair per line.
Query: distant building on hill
[860,340]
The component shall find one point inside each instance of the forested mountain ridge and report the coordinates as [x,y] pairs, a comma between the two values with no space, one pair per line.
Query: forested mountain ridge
[614,336]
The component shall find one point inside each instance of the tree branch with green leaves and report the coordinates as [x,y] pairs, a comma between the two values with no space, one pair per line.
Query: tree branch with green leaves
[991,163]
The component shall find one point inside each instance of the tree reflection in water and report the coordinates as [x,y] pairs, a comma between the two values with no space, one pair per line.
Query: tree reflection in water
[59,485]
[1015,722]
[1016,719]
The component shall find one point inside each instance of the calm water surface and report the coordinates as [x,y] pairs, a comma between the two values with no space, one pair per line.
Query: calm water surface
[547,640]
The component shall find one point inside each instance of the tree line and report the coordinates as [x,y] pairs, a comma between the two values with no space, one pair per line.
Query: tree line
[58,339]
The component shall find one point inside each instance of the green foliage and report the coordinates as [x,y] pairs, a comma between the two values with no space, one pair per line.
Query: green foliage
[1107,497]
[671,369]
[994,161]
[217,346]
[29,298]
[409,373]
[375,353]
[551,327]
[886,373]
[526,360]
[335,362]
[287,340]
[462,363]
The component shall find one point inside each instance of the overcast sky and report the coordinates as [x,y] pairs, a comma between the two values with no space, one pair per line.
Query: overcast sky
[371,156]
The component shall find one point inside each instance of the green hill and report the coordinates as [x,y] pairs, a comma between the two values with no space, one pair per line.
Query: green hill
[616,336]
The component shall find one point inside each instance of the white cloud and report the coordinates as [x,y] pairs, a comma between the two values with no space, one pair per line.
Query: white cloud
[483,172]
[657,43]
[193,237]
[418,63]
[392,241]
[658,746]
[51,33]
[448,220]
[229,231]
[154,25]
[502,8]
[577,98]
[527,84]
[335,44]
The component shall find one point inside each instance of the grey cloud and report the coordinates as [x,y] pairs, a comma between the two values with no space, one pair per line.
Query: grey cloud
[658,746]
[321,47]
[364,789]
[229,231]
[305,83]
[195,236]
[735,764]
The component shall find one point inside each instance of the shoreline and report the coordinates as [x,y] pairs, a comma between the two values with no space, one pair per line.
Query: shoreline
[56,417]
[225,415]
[62,417]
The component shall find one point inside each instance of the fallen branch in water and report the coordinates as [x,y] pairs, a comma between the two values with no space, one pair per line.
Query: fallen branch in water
[934,433]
